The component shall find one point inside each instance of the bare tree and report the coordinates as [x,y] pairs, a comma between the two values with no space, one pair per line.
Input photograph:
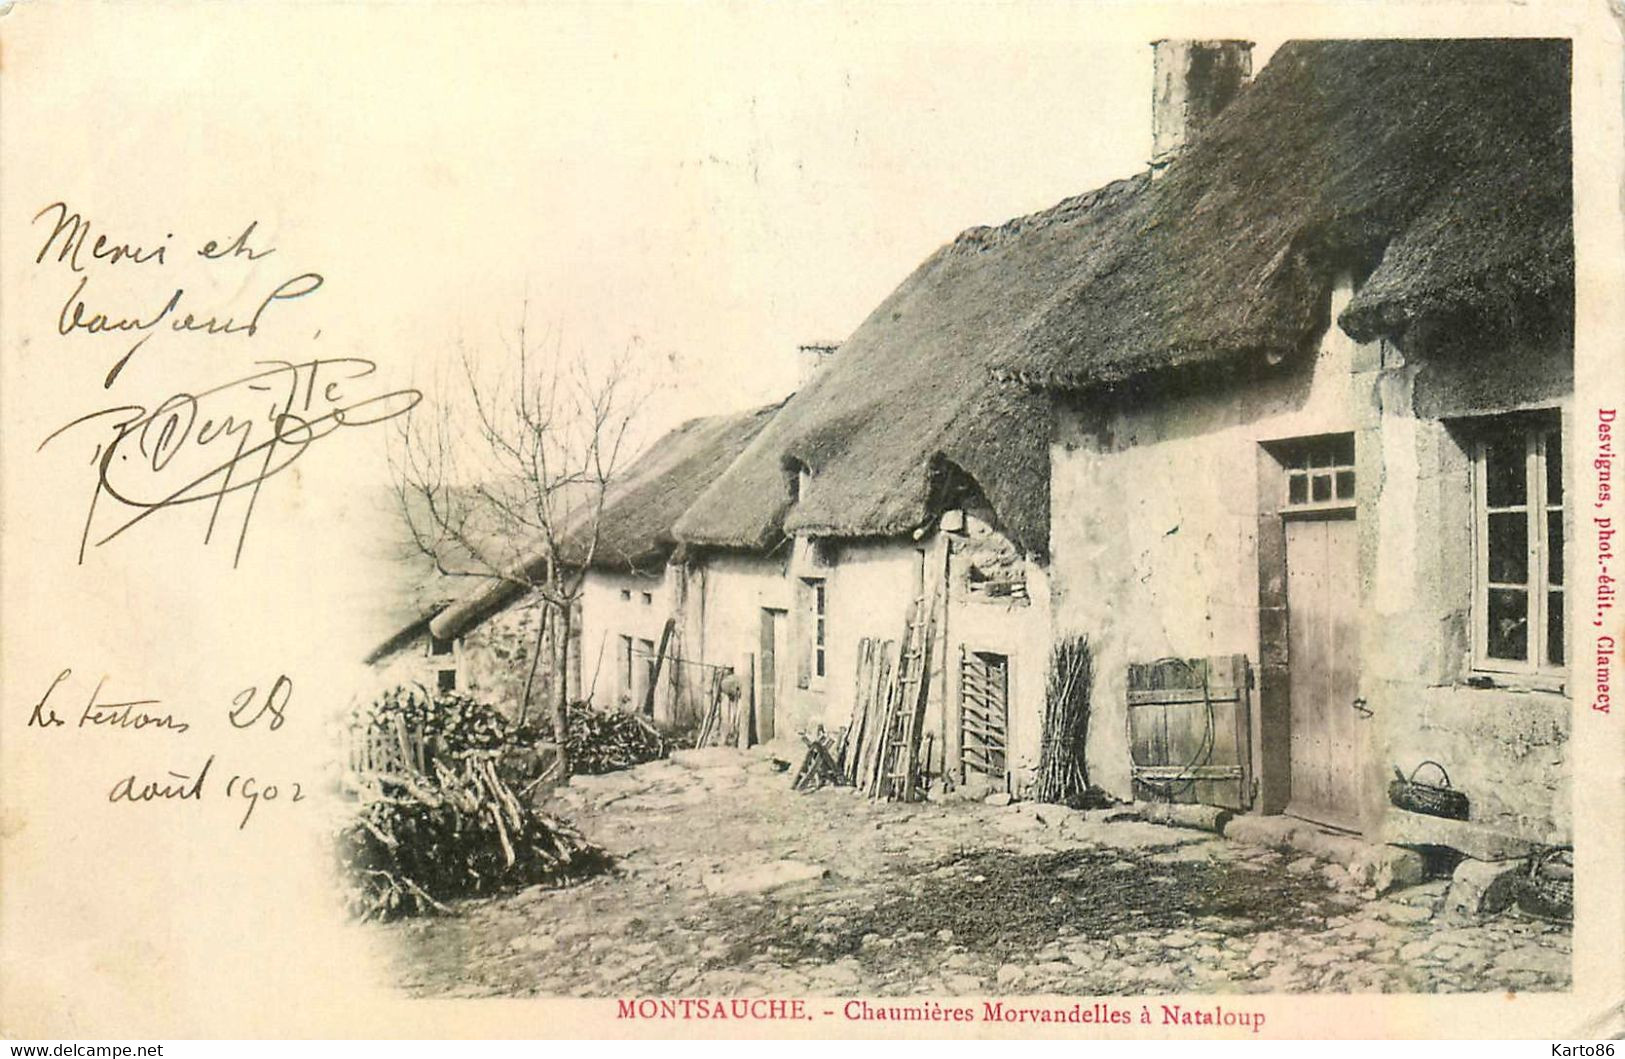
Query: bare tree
[502,477]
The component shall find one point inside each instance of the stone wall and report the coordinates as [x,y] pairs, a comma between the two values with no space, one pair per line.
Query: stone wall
[999,603]
[492,662]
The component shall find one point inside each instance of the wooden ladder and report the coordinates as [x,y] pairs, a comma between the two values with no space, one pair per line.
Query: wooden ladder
[905,708]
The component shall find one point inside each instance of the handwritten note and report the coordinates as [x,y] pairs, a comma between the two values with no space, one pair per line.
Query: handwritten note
[211,448]
[198,454]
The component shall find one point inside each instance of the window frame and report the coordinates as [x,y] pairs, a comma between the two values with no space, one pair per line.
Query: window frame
[1535,434]
[816,642]
[820,641]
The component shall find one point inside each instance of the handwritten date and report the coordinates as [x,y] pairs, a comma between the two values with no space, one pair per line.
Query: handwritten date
[187,787]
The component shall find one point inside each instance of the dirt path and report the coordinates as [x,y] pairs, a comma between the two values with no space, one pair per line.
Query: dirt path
[732,884]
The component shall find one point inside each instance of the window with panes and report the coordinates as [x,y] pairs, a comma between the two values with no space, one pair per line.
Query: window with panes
[1319,473]
[1518,486]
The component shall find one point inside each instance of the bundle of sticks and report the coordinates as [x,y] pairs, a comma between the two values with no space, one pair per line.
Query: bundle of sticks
[1063,777]
[458,832]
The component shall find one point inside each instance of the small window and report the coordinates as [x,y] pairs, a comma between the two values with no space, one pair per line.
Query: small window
[820,630]
[1518,501]
[445,658]
[648,599]
[1319,473]
[797,479]
[626,595]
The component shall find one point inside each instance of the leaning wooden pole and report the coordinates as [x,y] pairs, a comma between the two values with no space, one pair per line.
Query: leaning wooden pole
[660,661]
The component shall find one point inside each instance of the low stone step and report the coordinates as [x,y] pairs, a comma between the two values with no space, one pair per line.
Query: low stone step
[1404,828]
[1382,867]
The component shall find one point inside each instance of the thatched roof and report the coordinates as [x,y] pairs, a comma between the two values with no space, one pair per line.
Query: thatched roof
[1443,167]
[635,526]
[908,400]
[635,530]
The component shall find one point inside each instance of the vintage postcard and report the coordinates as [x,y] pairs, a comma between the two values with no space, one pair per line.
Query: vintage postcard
[817,520]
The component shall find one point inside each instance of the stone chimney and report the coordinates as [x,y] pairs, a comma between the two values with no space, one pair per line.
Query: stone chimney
[811,357]
[1192,81]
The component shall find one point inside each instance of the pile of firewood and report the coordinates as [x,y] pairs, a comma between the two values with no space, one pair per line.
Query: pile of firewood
[436,816]
[459,833]
[608,740]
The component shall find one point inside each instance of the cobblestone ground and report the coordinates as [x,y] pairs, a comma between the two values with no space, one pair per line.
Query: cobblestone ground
[732,884]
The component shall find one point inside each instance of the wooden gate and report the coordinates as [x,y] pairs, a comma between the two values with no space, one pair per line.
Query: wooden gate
[984,712]
[1190,730]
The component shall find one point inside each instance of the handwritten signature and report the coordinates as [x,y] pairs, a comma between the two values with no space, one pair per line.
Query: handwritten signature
[201,448]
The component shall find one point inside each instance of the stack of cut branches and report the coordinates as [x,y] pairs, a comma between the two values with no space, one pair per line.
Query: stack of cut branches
[459,833]
[1063,777]
[607,740]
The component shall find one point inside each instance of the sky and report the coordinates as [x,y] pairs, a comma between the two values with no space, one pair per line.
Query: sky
[705,186]
[708,186]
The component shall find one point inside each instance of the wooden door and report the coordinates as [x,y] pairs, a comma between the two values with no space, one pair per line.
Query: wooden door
[767,697]
[1322,560]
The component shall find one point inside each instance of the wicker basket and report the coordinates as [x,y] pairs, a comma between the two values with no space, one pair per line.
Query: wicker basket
[1439,799]
[1547,888]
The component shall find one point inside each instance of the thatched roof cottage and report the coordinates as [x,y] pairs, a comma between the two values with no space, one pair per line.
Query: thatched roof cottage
[903,426]
[1277,424]
[1312,385]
